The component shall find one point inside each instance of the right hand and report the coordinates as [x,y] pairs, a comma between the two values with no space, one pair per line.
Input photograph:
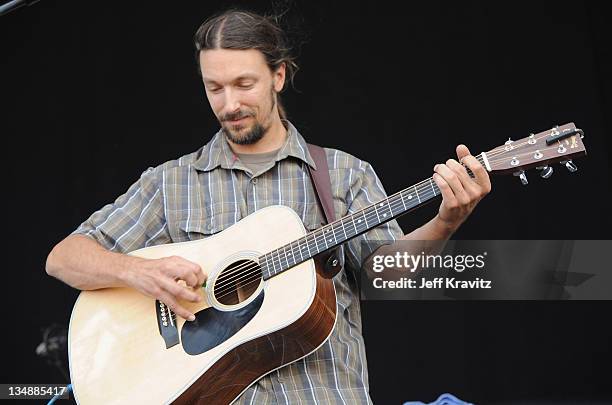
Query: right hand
[159,278]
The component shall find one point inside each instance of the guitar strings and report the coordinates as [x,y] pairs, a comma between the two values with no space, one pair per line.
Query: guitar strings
[369,214]
[252,268]
[239,274]
[502,149]
[251,272]
[491,154]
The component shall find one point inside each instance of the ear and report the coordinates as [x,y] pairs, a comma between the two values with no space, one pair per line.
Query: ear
[279,77]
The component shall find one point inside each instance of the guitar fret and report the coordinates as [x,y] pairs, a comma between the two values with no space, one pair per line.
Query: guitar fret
[384,214]
[324,239]
[316,241]
[343,229]
[262,265]
[333,234]
[300,250]
[290,254]
[285,252]
[278,255]
[399,206]
[268,267]
[354,225]
[376,211]
[308,246]
[365,218]
[271,254]
[281,251]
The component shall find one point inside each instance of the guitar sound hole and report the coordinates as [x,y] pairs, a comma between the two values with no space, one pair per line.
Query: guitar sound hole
[237,282]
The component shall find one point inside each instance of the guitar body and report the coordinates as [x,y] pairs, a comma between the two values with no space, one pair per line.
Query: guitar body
[117,353]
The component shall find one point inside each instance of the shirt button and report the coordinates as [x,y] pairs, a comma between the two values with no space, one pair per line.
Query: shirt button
[254,180]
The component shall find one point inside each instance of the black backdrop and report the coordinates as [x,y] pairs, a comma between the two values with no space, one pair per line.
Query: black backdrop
[95,92]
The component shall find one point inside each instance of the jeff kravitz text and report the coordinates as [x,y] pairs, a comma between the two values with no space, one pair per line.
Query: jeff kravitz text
[405,262]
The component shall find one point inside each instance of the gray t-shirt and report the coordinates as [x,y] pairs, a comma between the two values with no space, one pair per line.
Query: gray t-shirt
[258,162]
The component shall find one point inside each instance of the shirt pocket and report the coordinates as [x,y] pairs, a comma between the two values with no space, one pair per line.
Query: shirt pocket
[213,219]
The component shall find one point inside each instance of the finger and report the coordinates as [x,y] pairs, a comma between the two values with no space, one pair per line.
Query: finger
[186,270]
[480,173]
[462,151]
[179,291]
[186,275]
[459,170]
[453,181]
[447,193]
[201,277]
[176,307]
[470,186]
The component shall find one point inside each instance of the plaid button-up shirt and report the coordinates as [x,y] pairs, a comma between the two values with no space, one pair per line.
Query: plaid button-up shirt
[206,191]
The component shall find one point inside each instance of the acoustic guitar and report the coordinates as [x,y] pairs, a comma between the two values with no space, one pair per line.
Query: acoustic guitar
[266,302]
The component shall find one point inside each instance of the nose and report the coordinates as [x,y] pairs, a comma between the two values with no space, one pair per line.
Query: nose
[232,103]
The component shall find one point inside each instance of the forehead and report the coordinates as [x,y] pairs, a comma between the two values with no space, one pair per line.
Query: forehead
[225,65]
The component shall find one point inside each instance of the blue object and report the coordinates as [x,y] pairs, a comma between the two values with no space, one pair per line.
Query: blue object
[444,399]
[56,397]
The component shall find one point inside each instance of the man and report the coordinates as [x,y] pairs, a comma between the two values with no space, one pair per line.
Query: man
[257,158]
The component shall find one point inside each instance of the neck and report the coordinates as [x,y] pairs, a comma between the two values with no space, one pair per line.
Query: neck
[350,226]
[273,139]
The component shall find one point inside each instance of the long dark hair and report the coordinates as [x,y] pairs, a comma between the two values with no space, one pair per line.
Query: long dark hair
[240,29]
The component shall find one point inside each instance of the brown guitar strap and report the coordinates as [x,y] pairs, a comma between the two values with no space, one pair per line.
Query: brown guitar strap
[322,185]
[321,181]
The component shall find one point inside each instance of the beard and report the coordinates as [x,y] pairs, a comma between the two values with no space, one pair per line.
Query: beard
[252,134]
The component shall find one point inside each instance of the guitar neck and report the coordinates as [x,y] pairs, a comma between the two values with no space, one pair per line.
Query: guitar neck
[331,235]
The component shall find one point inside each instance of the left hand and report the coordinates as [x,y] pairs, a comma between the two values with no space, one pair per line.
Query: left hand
[460,192]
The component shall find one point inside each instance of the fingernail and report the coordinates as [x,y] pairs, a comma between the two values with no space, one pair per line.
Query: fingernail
[191,318]
[435,167]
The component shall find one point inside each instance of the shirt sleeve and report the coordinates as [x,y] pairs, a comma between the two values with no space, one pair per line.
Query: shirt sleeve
[136,219]
[366,189]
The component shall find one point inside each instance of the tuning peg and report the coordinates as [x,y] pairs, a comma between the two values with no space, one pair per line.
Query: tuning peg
[571,166]
[546,171]
[521,175]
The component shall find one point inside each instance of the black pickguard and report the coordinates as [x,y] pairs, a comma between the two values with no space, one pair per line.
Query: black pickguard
[213,327]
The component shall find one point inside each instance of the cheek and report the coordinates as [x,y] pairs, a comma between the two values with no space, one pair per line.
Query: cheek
[216,102]
[254,99]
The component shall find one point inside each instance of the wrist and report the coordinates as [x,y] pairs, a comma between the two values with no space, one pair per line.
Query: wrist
[444,227]
[126,266]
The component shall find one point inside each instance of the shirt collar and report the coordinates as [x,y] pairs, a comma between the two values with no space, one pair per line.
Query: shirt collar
[217,152]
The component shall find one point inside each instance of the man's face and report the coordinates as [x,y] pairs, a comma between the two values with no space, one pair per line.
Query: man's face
[241,91]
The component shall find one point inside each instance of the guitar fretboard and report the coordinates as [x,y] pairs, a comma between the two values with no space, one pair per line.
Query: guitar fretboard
[331,235]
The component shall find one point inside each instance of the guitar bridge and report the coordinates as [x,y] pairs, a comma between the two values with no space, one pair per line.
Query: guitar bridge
[166,322]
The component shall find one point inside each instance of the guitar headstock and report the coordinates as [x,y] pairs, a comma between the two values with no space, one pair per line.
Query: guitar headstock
[560,144]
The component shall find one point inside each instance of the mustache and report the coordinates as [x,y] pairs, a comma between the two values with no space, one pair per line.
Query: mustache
[235,115]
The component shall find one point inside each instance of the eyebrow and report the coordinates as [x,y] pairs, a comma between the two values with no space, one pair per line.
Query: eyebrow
[238,79]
